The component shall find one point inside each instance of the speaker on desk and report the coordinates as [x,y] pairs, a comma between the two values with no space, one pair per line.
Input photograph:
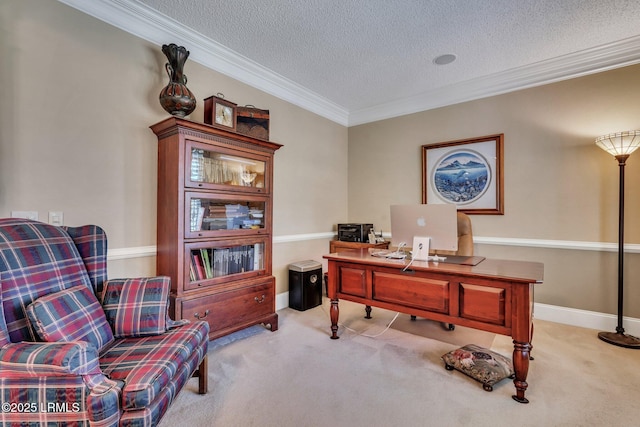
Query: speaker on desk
[305,285]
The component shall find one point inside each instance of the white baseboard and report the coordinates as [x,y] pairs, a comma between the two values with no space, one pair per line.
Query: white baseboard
[552,313]
[585,319]
[282,301]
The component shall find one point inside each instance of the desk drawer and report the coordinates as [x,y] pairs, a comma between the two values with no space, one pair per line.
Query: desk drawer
[412,291]
[353,281]
[486,304]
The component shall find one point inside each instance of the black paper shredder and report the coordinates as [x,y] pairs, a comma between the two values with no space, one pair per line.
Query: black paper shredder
[305,285]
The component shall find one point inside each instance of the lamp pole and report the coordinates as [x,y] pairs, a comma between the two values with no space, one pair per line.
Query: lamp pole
[621,163]
[619,337]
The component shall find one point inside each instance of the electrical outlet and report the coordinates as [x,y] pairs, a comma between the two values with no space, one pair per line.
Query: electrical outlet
[56,218]
[33,215]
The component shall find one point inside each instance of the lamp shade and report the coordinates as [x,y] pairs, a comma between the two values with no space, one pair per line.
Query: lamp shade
[621,143]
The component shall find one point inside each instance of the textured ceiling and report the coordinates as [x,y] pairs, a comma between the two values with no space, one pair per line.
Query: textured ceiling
[359,54]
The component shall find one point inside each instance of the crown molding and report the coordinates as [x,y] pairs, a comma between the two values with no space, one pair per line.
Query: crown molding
[589,61]
[146,23]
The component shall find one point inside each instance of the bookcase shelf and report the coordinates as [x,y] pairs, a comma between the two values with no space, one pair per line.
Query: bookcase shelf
[214,229]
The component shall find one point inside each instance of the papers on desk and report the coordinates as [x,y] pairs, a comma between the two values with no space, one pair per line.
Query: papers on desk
[389,254]
[450,259]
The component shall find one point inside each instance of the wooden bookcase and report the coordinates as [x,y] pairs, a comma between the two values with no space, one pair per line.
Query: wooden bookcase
[214,230]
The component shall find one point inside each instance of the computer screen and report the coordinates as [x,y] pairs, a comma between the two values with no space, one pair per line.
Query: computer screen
[439,222]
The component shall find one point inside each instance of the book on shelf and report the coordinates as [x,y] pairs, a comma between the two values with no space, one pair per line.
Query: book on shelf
[196,215]
[220,262]
[192,272]
[204,253]
[258,254]
[207,263]
[196,260]
[200,219]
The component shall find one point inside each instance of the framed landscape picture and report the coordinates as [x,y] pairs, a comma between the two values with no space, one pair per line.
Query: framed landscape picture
[467,173]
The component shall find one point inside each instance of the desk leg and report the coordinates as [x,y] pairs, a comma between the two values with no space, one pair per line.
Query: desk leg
[521,368]
[334,312]
[531,344]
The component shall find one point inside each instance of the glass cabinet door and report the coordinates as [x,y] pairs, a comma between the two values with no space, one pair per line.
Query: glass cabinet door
[215,262]
[219,215]
[208,167]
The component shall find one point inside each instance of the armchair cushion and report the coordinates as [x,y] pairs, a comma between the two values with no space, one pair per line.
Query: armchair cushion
[150,365]
[73,314]
[137,307]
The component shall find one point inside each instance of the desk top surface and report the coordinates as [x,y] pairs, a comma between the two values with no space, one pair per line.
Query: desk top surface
[521,271]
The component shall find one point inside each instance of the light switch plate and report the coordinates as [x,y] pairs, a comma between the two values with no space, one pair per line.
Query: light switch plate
[56,218]
[33,215]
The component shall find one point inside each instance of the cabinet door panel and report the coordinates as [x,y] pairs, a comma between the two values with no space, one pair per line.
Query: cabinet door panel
[222,215]
[222,261]
[221,168]
[411,291]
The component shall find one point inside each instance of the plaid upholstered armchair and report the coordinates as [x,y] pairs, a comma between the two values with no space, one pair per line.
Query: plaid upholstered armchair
[78,349]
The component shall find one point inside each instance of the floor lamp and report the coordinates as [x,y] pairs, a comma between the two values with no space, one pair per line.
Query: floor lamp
[620,145]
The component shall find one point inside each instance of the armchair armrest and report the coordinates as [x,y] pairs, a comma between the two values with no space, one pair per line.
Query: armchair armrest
[66,375]
[57,358]
[36,359]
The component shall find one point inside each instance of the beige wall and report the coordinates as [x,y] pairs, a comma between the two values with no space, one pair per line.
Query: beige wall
[558,184]
[79,97]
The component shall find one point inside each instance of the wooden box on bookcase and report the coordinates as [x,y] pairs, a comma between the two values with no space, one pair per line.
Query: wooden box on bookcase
[214,229]
[253,122]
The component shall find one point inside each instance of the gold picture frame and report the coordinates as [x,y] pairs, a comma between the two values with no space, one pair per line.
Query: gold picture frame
[468,173]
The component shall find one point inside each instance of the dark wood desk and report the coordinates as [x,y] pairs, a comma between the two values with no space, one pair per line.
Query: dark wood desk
[494,296]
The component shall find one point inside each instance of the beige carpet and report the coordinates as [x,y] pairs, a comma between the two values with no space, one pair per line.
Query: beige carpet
[299,377]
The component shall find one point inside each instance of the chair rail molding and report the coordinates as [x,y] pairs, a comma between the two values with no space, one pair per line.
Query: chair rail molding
[132,252]
[634,248]
[552,313]
[556,244]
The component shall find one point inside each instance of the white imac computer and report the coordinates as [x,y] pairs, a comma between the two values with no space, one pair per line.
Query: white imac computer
[424,227]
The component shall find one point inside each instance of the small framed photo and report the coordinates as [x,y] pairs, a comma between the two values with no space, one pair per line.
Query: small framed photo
[467,173]
[220,113]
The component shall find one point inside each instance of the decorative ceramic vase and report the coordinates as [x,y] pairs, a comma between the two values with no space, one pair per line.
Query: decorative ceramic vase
[176,98]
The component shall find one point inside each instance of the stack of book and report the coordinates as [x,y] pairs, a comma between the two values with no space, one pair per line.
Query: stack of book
[208,263]
[218,216]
